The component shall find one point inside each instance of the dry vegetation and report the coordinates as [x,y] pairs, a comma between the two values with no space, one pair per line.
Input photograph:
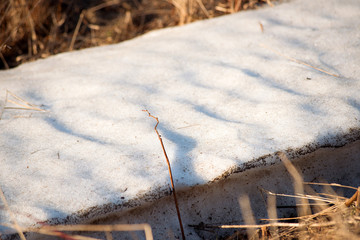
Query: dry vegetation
[323,215]
[32,29]
[38,28]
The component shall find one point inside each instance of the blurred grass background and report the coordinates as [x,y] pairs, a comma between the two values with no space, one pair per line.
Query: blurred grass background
[32,29]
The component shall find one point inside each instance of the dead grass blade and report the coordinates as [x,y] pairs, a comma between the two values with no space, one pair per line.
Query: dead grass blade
[65,236]
[182,10]
[303,196]
[271,208]
[334,224]
[108,236]
[57,230]
[248,216]
[303,209]
[278,224]
[24,105]
[32,28]
[302,205]
[12,217]
[325,211]
[330,184]
[170,173]
[297,61]
[339,221]
[203,8]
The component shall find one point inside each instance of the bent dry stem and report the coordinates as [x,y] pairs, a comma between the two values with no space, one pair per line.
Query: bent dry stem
[170,174]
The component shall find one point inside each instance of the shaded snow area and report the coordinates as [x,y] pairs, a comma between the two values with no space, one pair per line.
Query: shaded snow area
[226,94]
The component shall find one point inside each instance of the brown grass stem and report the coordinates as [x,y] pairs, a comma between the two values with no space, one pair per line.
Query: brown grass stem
[170,173]
[77,28]
[352,199]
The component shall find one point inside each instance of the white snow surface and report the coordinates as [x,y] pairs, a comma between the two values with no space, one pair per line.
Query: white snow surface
[221,98]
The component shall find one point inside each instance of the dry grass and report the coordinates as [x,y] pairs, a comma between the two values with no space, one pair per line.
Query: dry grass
[295,60]
[323,215]
[32,29]
[17,103]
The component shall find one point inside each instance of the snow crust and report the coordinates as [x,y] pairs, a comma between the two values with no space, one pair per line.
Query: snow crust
[221,98]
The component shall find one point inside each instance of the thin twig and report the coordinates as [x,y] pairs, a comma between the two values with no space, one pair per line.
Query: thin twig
[4,60]
[76,30]
[3,106]
[297,61]
[358,202]
[170,173]
[104,5]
